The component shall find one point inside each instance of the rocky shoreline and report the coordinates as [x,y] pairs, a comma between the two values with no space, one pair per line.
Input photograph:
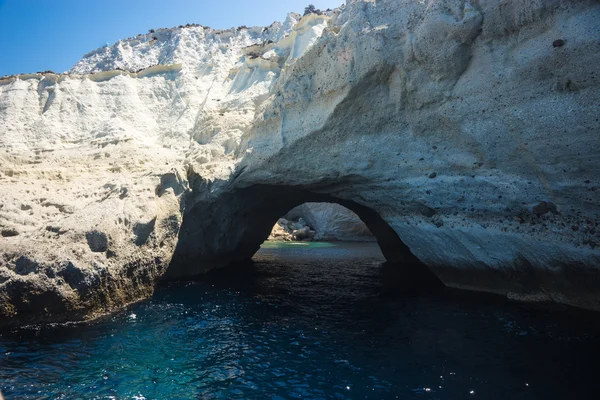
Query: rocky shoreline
[462,133]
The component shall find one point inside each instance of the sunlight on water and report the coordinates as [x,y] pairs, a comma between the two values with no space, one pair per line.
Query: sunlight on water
[326,325]
[274,244]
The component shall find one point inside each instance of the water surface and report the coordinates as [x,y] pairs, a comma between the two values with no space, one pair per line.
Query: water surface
[311,321]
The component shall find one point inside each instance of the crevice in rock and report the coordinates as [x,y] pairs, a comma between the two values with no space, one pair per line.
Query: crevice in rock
[143,231]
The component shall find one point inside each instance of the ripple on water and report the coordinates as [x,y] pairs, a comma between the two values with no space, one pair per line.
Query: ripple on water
[313,321]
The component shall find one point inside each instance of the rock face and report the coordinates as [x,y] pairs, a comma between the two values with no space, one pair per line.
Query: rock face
[331,221]
[290,230]
[95,163]
[457,130]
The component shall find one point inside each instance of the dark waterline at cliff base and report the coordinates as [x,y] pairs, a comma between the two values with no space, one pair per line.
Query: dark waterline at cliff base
[317,321]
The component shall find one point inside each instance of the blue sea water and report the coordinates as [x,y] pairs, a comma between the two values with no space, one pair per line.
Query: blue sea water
[312,321]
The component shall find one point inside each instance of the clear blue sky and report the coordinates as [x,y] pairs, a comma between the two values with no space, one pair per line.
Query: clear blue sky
[39,35]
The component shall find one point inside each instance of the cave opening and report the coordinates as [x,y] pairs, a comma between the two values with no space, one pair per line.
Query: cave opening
[320,222]
[218,234]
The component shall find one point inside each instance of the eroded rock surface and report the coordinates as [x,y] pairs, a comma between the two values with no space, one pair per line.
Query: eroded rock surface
[291,230]
[458,127]
[331,221]
[453,121]
[325,222]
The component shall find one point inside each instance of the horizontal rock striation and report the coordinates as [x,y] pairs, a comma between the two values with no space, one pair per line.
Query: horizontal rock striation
[462,132]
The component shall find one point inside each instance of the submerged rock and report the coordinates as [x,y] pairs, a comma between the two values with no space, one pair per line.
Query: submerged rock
[186,156]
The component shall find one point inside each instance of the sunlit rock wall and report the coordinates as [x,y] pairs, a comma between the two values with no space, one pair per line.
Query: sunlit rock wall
[469,127]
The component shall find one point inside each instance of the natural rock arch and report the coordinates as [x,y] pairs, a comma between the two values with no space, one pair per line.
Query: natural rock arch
[218,233]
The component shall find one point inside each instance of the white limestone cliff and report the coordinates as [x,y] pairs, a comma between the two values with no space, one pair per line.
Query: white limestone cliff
[463,132]
[93,163]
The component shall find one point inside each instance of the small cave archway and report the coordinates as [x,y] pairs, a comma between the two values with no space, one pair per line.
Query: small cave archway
[230,229]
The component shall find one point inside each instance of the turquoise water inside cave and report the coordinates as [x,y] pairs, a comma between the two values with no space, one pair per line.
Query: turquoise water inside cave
[309,321]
